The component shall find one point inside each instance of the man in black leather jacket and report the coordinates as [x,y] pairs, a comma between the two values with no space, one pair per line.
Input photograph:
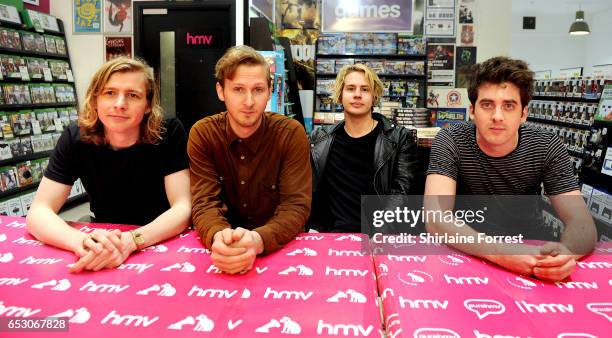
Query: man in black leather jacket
[366,154]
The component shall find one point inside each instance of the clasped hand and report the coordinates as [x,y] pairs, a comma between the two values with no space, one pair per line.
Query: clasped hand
[103,249]
[550,262]
[235,250]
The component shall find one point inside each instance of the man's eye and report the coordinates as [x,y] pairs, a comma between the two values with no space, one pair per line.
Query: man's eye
[486,105]
[509,106]
[108,92]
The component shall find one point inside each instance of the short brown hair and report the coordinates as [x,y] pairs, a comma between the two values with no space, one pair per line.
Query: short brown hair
[502,69]
[90,126]
[236,56]
[373,80]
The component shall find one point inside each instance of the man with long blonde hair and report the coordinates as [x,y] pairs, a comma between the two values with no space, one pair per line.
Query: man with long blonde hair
[366,154]
[133,165]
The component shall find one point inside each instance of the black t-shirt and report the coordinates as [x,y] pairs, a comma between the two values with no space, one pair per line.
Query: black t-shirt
[349,173]
[124,186]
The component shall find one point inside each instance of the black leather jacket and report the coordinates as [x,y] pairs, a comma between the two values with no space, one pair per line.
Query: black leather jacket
[395,161]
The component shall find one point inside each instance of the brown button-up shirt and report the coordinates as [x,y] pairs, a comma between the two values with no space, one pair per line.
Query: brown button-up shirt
[262,183]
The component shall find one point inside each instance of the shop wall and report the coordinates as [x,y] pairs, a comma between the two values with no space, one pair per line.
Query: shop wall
[549,46]
[493,28]
[598,46]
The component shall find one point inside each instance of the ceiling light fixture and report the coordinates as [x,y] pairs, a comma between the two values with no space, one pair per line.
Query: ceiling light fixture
[579,27]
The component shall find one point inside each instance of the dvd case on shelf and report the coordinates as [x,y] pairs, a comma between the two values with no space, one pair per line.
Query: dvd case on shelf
[50,45]
[331,43]
[9,38]
[325,86]
[58,69]
[24,173]
[326,66]
[35,67]
[411,45]
[60,45]
[10,66]
[343,62]
[395,67]
[415,67]
[8,180]
[376,65]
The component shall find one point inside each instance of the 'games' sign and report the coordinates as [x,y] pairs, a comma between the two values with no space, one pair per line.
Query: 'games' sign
[368,16]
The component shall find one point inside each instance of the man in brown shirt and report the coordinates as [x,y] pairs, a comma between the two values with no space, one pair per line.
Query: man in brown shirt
[251,179]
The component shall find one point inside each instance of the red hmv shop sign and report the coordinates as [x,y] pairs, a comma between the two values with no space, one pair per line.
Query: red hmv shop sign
[199,39]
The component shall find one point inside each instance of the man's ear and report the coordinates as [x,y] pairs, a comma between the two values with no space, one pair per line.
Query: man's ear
[471,111]
[220,92]
[524,114]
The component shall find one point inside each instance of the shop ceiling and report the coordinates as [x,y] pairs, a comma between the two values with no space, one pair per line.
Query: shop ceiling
[543,7]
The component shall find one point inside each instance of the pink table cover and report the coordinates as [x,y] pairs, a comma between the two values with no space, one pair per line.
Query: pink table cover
[456,295]
[318,285]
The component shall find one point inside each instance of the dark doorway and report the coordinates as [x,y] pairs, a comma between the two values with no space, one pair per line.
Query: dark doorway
[182,42]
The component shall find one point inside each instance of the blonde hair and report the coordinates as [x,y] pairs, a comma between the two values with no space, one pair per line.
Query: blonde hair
[373,80]
[236,56]
[90,126]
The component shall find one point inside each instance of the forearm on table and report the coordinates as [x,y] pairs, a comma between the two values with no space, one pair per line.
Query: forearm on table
[580,233]
[287,223]
[170,223]
[44,224]
[208,219]
[579,239]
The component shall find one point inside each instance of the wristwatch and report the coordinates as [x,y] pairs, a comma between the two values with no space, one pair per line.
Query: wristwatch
[138,238]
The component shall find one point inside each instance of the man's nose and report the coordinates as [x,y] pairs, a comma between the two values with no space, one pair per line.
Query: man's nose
[498,114]
[120,102]
[249,100]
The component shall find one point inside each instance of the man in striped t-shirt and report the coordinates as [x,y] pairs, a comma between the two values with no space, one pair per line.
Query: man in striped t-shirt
[495,154]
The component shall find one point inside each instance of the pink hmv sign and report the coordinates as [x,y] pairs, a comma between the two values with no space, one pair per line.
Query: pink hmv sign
[317,286]
[454,295]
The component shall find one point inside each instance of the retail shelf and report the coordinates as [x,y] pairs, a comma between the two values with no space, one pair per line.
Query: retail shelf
[40,80]
[26,53]
[565,99]
[29,157]
[374,56]
[36,105]
[559,123]
[398,76]
[16,191]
